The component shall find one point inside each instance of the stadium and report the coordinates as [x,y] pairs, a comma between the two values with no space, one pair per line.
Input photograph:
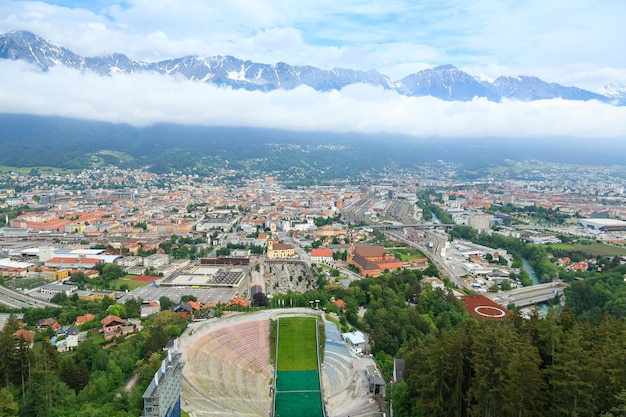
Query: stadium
[229,370]
[603,225]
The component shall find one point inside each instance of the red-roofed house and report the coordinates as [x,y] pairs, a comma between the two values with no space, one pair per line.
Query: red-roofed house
[27,335]
[113,326]
[238,301]
[563,261]
[580,266]
[84,319]
[49,322]
[321,256]
[196,305]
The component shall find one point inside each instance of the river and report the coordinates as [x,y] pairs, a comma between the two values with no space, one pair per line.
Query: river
[542,308]
[531,272]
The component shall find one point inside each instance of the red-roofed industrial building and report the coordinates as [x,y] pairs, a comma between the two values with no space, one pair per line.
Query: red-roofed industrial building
[72,263]
[372,260]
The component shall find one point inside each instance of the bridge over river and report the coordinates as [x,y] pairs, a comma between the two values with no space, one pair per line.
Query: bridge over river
[527,296]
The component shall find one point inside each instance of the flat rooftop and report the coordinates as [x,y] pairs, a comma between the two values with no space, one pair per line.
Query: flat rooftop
[209,276]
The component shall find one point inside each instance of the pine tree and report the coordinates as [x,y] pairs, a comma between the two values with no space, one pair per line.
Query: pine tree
[571,376]
[525,394]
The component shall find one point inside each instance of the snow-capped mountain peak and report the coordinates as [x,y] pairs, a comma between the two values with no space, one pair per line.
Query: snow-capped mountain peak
[445,82]
[614,90]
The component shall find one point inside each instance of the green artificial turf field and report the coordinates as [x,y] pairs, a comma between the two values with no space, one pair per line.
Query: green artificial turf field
[297,375]
[297,345]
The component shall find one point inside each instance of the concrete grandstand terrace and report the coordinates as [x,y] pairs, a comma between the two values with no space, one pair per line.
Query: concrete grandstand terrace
[228,371]
[344,382]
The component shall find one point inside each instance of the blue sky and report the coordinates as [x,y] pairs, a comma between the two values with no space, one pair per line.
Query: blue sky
[570,42]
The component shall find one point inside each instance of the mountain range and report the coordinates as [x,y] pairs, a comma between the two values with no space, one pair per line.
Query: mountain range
[443,82]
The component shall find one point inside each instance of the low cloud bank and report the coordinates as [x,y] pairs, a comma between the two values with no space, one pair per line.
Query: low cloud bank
[145,99]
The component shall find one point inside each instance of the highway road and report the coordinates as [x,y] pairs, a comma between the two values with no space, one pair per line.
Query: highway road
[521,297]
[16,299]
[526,296]
[434,253]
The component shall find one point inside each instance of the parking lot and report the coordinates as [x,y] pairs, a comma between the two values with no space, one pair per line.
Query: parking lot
[218,295]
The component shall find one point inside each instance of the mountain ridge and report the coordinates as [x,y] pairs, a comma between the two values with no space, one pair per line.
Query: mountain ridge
[445,82]
[193,149]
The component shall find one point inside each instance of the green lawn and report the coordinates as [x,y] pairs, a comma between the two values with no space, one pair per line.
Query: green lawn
[297,345]
[407,254]
[41,170]
[27,283]
[595,249]
[131,284]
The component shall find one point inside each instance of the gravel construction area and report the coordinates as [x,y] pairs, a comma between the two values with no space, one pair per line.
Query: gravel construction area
[228,373]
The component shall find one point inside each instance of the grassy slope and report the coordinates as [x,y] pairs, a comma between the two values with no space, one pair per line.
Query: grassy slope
[131,283]
[297,344]
[595,249]
[407,254]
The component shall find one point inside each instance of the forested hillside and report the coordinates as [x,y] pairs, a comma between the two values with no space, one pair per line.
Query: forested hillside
[569,363]
[554,366]
[33,141]
[88,381]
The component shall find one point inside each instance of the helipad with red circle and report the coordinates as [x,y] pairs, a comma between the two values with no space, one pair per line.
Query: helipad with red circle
[489,311]
[483,308]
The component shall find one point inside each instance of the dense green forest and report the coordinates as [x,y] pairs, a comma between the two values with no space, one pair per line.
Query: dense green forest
[75,144]
[553,366]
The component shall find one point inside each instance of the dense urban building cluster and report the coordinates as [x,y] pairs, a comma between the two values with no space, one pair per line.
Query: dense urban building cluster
[197,248]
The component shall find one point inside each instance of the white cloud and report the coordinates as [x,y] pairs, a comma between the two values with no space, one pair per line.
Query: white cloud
[573,43]
[149,98]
